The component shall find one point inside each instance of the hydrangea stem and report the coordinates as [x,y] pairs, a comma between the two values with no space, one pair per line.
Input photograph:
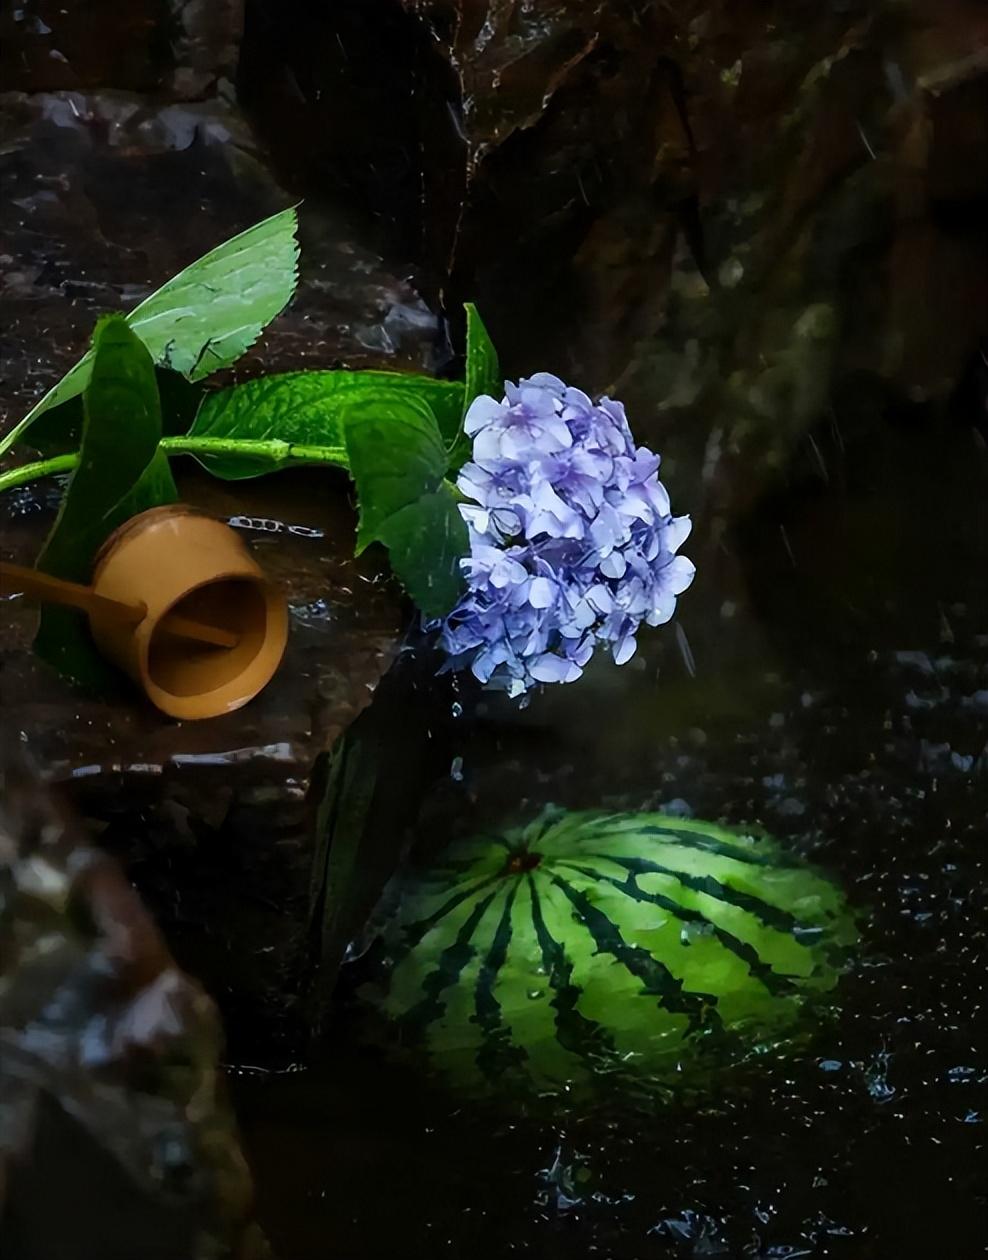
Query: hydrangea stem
[279,453]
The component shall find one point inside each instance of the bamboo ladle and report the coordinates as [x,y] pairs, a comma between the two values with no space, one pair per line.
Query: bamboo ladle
[178,602]
[18,579]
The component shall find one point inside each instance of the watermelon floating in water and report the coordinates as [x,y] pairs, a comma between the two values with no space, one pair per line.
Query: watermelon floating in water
[589,941]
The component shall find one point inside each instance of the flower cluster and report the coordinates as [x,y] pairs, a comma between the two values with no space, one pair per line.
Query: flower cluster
[572,542]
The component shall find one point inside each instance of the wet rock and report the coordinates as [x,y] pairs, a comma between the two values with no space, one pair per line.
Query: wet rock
[806,339]
[178,47]
[49,46]
[130,160]
[120,168]
[574,151]
[216,821]
[206,37]
[515,149]
[108,194]
[758,227]
[115,1135]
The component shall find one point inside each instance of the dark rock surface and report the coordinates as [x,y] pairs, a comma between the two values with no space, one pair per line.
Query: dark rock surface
[749,221]
[124,158]
[115,1136]
[216,820]
[178,47]
[97,213]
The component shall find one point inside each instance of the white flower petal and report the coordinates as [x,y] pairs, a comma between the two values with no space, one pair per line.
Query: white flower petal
[613,566]
[541,593]
[551,668]
[678,574]
[676,532]
[662,610]
[483,411]
[625,649]
[487,445]
[600,598]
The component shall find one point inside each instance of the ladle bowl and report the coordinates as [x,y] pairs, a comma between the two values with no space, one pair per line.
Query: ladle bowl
[182,564]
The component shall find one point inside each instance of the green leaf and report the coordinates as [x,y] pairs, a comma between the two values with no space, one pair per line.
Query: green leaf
[483,376]
[308,409]
[396,455]
[121,472]
[426,542]
[204,318]
[343,860]
[210,313]
[397,460]
[180,401]
[483,373]
[444,398]
[59,429]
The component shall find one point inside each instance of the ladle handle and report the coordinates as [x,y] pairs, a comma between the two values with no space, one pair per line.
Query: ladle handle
[185,628]
[53,590]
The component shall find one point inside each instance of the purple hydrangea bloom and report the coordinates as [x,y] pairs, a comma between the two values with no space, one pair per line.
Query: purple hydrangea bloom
[572,541]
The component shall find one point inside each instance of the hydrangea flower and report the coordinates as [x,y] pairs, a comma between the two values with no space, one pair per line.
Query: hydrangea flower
[572,541]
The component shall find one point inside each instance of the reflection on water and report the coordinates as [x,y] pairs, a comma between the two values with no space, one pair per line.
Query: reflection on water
[862,744]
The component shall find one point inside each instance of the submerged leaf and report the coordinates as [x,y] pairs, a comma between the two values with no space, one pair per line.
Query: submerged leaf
[121,472]
[204,318]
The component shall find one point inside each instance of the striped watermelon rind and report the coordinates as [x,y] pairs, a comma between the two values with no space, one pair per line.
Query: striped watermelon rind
[587,942]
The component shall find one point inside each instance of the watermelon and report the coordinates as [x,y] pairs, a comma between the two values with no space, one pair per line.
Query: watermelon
[591,941]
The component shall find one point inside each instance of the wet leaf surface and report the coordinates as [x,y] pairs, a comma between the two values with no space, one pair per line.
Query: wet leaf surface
[204,318]
[426,541]
[121,473]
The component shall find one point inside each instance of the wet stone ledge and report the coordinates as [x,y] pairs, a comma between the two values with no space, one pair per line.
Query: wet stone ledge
[124,157]
[215,821]
[116,1137]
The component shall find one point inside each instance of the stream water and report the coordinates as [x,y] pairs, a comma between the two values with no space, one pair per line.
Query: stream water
[843,706]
